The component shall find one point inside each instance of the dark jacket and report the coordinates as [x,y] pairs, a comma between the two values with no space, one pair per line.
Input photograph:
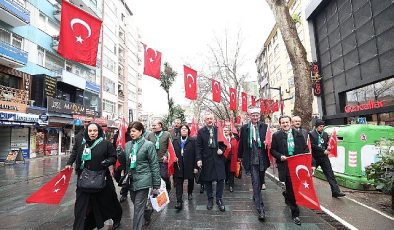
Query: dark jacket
[146,174]
[244,150]
[318,152]
[213,165]
[185,166]
[303,132]
[279,148]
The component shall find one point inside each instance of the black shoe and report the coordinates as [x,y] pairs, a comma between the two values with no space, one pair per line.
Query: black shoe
[262,216]
[221,206]
[202,189]
[337,195]
[178,205]
[116,225]
[297,220]
[231,189]
[210,204]
[190,196]
[122,198]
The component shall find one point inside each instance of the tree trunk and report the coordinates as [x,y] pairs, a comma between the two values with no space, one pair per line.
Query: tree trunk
[297,54]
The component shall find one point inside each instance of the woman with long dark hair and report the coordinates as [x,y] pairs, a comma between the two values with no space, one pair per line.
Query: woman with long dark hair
[94,153]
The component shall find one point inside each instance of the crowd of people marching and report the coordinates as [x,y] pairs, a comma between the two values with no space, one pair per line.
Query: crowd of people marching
[213,155]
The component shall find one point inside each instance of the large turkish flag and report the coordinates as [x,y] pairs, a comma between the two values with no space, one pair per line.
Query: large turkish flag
[300,170]
[53,191]
[79,35]
[190,80]
[233,99]
[152,62]
[216,91]
[244,101]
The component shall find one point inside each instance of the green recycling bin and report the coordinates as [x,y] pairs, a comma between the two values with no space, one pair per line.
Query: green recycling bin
[356,150]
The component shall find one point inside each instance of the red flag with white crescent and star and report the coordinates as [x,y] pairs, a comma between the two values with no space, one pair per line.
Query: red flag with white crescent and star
[190,80]
[244,101]
[79,35]
[233,99]
[300,170]
[171,158]
[216,91]
[152,62]
[193,128]
[253,99]
[53,191]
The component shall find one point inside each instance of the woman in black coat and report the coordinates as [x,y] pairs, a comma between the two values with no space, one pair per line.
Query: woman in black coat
[185,148]
[92,209]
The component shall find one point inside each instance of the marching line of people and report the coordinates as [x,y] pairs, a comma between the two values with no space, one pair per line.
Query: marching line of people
[144,164]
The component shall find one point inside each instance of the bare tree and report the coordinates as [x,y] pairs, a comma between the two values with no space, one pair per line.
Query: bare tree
[224,65]
[298,59]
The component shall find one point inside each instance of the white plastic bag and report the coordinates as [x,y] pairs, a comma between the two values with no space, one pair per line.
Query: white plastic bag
[162,200]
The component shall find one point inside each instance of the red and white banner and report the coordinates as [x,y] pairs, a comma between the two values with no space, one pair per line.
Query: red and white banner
[53,191]
[79,35]
[190,80]
[233,99]
[244,101]
[300,170]
[216,91]
[152,62]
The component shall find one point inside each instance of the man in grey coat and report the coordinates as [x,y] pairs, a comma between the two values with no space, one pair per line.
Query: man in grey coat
[296,121]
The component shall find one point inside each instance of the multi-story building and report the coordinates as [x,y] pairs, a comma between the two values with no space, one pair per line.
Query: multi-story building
[353,43]
[45,95]
[274,68]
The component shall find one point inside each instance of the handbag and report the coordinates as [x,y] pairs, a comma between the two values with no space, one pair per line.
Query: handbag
[92,181]
[238,170]
[197,176]
[125,180]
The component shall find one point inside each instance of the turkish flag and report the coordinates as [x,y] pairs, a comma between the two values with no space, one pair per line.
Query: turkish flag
[268,141]
[216,91]
[193,128]
[262,105]
[267,106]
[244,101]
[253,99]
[53,191]
[152,62]
[275,106]
[332,143]
[233,99]
[190,80]
[171,158]
[79,35]
[300,171]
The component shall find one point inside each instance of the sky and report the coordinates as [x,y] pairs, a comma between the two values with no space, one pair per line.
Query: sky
[182,31]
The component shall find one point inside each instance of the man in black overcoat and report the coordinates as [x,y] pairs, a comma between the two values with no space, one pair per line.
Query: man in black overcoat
[211,160]
[253,152]
[288,142]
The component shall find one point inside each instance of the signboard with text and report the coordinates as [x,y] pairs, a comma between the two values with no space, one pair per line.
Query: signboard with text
[60,106]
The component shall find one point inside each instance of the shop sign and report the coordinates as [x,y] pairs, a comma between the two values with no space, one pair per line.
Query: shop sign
[316,79]
[60,106]
[12,106]
[367,106]
[20,117]
[44,117]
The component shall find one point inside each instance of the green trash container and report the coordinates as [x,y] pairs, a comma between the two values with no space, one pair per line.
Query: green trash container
[356,150]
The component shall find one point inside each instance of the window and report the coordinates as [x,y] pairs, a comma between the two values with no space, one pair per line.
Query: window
[109,106]
[9,81]
[109,86]
[17,41]
[53,62]
[5,36]
[40,56]
[380,91]
[109,63]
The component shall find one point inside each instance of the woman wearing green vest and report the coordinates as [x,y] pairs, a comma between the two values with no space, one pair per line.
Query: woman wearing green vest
[142,167]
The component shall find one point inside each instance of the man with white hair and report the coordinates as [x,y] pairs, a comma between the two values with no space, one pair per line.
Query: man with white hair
[253,152]
[296,122]
[210,159]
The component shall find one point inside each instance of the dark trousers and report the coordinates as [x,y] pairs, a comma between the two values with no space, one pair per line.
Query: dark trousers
[325,165]
[179,187]
[164,175]
[289,196]
[139,199]
[257,178]
[117,175]
[229,174]
[219,189]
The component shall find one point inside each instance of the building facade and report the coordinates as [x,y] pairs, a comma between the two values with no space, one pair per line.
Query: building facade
[353,43]
[275,72]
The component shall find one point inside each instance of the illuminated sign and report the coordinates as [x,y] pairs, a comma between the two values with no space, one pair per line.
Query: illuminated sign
[367,106]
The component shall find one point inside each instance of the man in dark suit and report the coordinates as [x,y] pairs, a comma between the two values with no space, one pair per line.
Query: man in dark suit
[253,152]
[296,121]
[211,160]
[288,142]
[320,151]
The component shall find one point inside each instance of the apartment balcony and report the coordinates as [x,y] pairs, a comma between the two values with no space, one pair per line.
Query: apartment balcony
[121,95]
[12,56]
[55,42]
[13,95]
[121,77]
[13,14]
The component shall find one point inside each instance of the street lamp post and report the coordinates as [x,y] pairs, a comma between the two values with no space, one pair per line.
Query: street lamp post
[280,97]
